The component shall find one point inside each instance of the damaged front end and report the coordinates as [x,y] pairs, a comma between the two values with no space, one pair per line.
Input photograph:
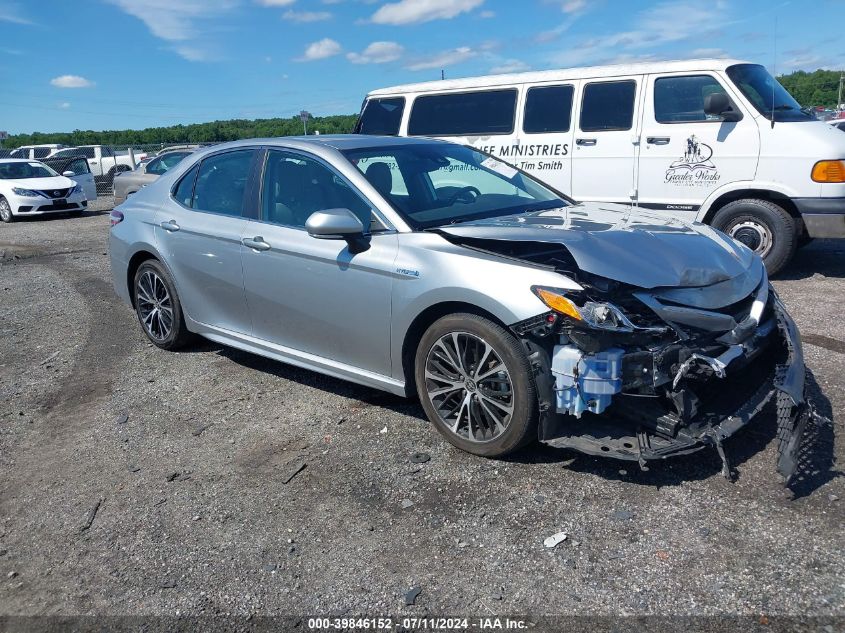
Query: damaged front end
[644,374]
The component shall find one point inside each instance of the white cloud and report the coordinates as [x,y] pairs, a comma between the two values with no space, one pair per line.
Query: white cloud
[377,53]
[11,12]
[417,11]
[198,53]
[510,66]
[709,52]
[444,59]
[275,3]
[486,15]
[174,20]
[71,81]
[573,6]
[306,16]
[64,105]
[322,49]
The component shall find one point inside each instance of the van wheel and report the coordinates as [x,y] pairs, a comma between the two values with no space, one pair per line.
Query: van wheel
[762,226]
[475,383]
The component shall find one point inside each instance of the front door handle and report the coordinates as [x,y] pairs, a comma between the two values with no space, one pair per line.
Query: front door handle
[585,141]
[256,243]
[657,140]
[170,225]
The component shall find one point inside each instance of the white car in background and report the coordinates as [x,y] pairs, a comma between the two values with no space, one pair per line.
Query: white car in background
[28,187]
[103,160]
[36,151]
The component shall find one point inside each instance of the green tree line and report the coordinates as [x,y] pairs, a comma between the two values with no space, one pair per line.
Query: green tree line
[214,131]
[818,88]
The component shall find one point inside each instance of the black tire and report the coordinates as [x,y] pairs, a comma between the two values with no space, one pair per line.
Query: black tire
[763,226]
[178,334]
[521,427]
[6,211]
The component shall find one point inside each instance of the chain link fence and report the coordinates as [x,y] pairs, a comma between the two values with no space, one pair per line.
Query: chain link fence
[102,162]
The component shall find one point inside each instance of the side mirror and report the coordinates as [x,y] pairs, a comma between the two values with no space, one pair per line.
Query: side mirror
[68,173]
[718,104]
[334,224]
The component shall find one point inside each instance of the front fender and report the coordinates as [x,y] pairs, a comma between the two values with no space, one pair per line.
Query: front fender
[743,185]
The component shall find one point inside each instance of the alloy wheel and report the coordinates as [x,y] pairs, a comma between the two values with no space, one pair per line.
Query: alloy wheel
[155,306]
[5,210]
[469,386]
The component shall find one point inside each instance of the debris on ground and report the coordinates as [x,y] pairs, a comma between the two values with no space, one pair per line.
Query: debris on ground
[406,503]
[833,497]
[49,358]
[196,517]
[383,431]
[497,595]
[411,596]
[295,469]
[173,477]
[92,513]
[555,539]
[420,458]
[123,418]
[199,430]
[662,554]
[168,584]
[12,574]
[623,515]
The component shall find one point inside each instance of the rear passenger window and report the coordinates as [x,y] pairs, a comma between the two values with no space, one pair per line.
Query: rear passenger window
[221,183]
[184,191]
[548,109]
[463,114]
[381,116]
[608,106]
[681,99]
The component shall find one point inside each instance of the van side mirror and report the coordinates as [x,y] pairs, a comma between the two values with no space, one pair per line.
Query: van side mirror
[718,104]
[334,224]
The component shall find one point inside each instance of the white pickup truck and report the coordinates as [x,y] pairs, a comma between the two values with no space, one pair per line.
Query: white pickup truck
[102,160]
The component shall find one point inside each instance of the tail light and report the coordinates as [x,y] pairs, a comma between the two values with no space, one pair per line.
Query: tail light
[115,217]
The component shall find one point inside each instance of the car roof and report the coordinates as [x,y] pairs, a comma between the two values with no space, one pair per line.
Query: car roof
[587,72]
[340,142]
[19,160]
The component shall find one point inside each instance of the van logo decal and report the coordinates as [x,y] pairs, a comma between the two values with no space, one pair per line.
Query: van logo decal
[695,167]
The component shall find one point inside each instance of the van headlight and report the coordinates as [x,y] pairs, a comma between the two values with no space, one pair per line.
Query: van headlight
[598,315]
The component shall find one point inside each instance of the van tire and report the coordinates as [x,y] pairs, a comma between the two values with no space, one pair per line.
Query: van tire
[763,226]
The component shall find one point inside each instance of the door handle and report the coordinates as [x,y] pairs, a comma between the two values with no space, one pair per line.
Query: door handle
[585,141]
[256,243]
[657,140]
[170,225]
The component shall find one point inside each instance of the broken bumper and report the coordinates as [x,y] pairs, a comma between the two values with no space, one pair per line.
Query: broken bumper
[643,429]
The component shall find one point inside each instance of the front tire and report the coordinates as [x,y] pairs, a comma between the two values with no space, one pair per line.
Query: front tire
[475,384]
[6,211]
[158,307]
[763,226]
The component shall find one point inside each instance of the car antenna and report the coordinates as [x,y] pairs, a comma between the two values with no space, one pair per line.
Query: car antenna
[774,67]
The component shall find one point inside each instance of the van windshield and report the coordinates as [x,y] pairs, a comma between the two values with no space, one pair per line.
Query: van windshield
[433,184]
[766,94]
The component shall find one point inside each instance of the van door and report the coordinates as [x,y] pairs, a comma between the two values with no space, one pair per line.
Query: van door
[685,154]
[605,148]
[545,138]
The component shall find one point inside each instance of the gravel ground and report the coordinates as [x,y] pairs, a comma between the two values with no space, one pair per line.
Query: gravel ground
[135,481]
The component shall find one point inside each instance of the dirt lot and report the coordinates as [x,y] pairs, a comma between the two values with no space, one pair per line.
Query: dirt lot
[198,513]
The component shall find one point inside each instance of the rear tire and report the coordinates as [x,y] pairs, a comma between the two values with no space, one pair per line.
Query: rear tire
[482,399]
[6,211]
[763,226]
[158,307]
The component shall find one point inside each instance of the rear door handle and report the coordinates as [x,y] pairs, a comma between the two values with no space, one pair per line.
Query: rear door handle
[170,225]
[585,141]
[657,140]
[256,243]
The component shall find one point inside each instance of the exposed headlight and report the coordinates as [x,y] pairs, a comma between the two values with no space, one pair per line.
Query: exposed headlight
[591,314]
[26,193]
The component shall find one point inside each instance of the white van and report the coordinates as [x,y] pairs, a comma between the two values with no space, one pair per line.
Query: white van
[718,141]
[36,152]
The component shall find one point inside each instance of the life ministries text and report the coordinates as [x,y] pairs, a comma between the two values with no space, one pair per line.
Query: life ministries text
[554,149]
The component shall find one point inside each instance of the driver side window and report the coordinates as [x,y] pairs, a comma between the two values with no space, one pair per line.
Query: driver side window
[450,180]
[295,186]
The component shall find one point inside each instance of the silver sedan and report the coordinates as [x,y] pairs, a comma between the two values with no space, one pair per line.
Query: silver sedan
[428,268]
[128,182]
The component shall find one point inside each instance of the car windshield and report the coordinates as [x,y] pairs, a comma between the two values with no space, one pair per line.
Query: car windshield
[766,94]
[433,184]
[22,171]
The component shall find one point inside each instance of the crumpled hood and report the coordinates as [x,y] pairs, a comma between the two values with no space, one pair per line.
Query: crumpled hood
[628,245]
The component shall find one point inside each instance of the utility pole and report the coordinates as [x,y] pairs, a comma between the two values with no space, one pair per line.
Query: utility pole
[304,116]
[841,81]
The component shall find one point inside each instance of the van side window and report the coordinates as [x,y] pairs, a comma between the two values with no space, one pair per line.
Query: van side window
[681,99]
[548,109]
[608,106]
[463,114]
[381,116]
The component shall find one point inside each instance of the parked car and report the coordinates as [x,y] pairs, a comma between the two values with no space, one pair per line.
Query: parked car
[28,187]
[103,160]
[129,182]
[76,169]
[424,267]
[36,152]
[718,141]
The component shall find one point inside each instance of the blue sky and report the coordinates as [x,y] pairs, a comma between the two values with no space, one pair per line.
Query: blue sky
[113,64]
